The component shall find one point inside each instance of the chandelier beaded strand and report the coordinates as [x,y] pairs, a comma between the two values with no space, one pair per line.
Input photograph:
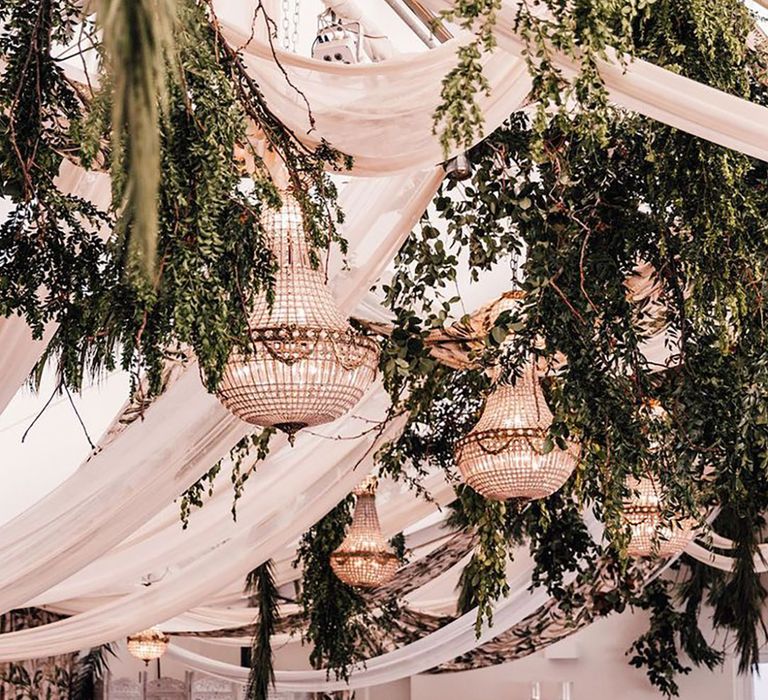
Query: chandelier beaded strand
[148,645]
[503,456]
[650,533]
[364,559]
[307,366]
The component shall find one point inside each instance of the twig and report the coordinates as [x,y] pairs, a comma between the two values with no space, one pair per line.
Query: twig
[79,417]
[42,410]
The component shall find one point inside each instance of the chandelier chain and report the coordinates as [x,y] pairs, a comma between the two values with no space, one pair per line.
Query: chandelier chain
[285,25]
[295,35]
[289,24]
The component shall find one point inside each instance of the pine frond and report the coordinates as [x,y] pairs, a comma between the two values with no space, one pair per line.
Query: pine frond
[262,590]
[89,669]
[138,41]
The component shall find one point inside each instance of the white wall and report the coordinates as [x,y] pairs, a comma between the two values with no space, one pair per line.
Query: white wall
[600,672]
[597,667]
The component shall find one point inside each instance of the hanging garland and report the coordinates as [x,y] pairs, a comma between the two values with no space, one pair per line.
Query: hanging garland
[590,193]
[263,594]
[211,259]
[577,195]
[338,621]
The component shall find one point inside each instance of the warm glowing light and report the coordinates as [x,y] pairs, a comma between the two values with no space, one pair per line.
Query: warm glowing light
[364,559]
[651,533]
[148,645]
[504,456]
[307,365]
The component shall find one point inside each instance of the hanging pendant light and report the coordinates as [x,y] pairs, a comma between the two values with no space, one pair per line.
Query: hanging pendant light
[503,456]
[651,534]
[364,558]
[148,645]
[307,366]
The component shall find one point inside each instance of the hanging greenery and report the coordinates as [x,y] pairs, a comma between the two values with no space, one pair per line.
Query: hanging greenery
[138,45]
[188,102]
[587,202]
[671,633]
[339,622]
[262,591]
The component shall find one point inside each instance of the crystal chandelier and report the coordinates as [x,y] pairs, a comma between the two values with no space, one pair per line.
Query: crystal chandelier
[364,559]
[651,533]
[503,456]
[148,645]
[307,365]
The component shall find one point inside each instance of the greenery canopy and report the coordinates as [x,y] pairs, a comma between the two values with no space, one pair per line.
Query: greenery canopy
[575,192]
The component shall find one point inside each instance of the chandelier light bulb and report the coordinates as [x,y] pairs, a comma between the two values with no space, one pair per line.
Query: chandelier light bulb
[650,533]
[148,645]
[364,559]
[307,365]
[503,456]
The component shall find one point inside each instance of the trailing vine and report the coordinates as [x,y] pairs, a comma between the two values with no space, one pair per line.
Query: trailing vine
[338,620]
[262,590]
[671,632]
[584,201]
[254,448]
[211,259]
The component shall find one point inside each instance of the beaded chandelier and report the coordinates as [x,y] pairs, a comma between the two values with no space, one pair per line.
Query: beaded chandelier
[307,365]
[503,457]
[651,533]
[364,559]
[148,645]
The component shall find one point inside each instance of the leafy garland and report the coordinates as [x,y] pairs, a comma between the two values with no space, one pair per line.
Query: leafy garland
[211,259]
[589,193]
[671,632]
[335,614]
[262,591]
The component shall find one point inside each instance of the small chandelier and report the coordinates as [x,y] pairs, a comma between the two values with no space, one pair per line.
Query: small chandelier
[503,456]
[148,645]
[650,533]
[364,559]
[307,366]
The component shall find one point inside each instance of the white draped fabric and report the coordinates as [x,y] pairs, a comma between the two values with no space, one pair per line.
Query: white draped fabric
[700,551]
[290,500]
[97,529]
[381,114]
[165,548]
[19,351]
[445,644]
[186,430]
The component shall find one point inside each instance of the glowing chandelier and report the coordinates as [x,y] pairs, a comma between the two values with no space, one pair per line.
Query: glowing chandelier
[364,559]
[503,456]
[307,366]
[651,533]
[148,645]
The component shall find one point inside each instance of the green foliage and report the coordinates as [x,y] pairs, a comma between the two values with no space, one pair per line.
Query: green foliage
[590,195]
[340,624]
[49,238]
[194,496]
[459,117]
[90,667]
[484,579]
[559,542]
[262,590]
[138,45]
[332,610]
[670,632]
[211,259]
